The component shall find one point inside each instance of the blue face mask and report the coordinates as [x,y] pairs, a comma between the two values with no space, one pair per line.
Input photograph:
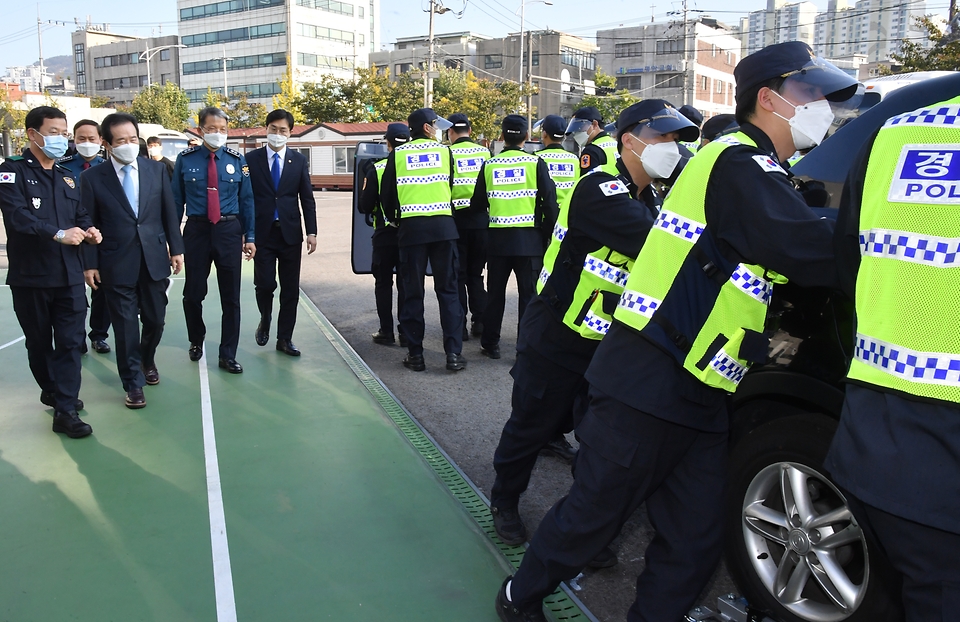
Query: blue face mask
[53,146]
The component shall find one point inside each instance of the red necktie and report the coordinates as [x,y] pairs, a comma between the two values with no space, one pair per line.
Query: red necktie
[86,165]
[213,196]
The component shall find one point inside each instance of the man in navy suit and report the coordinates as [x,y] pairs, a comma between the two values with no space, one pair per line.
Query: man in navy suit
[131,200]
[281,190]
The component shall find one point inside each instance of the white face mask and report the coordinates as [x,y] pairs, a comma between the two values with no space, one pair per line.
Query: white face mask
[88,150]
[277,141]
[155,152]
[125,154]
[215,139]
[810,122]
[659,159]
[581,138]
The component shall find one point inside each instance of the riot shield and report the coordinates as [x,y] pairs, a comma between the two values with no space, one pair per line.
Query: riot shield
[361,250]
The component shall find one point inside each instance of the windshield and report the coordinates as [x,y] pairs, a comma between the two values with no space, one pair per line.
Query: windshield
[173,146]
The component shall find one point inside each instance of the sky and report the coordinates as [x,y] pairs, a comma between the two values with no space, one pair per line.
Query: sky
[399,18]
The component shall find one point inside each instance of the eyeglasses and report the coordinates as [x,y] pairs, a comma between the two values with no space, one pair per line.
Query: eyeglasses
[213,130]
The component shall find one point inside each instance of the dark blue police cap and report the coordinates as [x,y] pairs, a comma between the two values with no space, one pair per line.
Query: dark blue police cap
[695,116]
[793,59]
[460,122]
[659,116]
[590,113]
[514,126]
[397,134]
[718,125]
[554,125]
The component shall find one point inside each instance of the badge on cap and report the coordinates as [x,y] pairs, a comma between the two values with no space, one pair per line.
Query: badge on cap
[8,178]
[585,161]
[69,181]
[610,188]
[768,164]
[36,202]
[231,169]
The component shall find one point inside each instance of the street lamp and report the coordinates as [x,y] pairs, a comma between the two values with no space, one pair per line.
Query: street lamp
[523,4]
[151,52]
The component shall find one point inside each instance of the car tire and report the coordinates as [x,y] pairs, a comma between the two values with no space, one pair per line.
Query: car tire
[818,568]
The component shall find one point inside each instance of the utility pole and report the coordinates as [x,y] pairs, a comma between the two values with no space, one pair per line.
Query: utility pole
[40,41]
[224,58]
[687,98]
[529,82]
[439,9]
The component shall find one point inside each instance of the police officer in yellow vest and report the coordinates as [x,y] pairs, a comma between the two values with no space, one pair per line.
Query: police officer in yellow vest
[688,325]
[596,146]
[563,165]
[516,188]
[897,450]
[386,254]
[598,234]
[468,157]
[416,194]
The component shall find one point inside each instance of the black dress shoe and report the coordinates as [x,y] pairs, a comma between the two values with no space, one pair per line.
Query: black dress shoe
[456,362]
[196,352]
[560,449]
[69,423]
[414,362]
[492,352]
[263,331]
[100,346]
[286,346]
[151,374]
[231,365]
[49,398]
[384,339]
[135,399]
[507,612]
[508,525]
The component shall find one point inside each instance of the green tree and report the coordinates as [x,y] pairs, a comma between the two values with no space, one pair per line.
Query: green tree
[607,100]
[335,100]
[13,118]
[100,101]
[166,105]
[289,96]
[243,112]
[943,56]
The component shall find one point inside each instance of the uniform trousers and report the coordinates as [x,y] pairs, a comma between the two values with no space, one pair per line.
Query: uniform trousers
[277,258]
[543,401]
[628,457]
[413,267]
[220,244]
[136,349]
[472,247]
[99,316]
[498,273]
[385,259]
[52,320]
[923,558]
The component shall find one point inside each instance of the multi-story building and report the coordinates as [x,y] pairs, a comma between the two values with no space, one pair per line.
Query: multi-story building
[683,65]
[778,23]
[559,65]
[872,28]
[257,38]
[28,78]
[116,66]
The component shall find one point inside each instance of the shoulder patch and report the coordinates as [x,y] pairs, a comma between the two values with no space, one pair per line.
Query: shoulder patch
[610,188]
[233,152]
[8,178]
[66,158]
[768,164]
[585,160]
[69,181]
[189,150]
[245,170]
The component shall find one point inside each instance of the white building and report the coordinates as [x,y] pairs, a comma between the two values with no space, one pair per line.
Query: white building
[28,78]
[872,28]
[778,23]
[257,37]
[665,61]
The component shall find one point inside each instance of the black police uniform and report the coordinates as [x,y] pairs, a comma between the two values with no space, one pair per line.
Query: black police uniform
[552,359]
[514,249]
[592,155]
[206,243]
[45,276]
[915,513]
[655,434]
[99,314]
[386,254]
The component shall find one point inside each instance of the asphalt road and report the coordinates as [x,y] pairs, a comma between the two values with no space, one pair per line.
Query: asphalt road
[464,411]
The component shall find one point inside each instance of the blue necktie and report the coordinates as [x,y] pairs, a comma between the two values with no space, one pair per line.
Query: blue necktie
[128,188]
[275,173]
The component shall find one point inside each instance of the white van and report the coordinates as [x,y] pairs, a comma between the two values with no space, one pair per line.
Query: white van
[173,142]
[876,89]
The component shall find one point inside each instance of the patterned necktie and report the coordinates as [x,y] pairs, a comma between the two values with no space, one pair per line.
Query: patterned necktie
[275,173]
[213,195]
[129,190]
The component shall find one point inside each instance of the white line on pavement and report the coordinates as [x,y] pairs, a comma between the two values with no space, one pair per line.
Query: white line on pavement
[10,343]
[222,575]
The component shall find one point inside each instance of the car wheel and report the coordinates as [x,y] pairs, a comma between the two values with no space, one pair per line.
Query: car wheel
[793,546]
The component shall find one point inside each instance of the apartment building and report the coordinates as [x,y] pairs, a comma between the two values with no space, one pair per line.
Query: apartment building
[871,28]
[778,23]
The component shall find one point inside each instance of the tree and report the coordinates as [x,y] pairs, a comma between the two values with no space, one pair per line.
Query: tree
[243,112]
[13,118]
[335,100]
[165,105]
[289,96]
[608,101]
[943,56]
[100,101]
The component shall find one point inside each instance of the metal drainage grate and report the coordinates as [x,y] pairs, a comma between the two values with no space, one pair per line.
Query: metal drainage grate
[562,604]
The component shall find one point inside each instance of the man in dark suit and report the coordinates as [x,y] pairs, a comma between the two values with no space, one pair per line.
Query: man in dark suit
[130,200]
[281,190]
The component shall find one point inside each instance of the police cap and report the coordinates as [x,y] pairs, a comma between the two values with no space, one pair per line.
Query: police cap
[420,116]
[460,122]
[695,116]
[718,125]
[589,113]
[553,125]
[659,116]
[793,60]
[397,134]
[514,126]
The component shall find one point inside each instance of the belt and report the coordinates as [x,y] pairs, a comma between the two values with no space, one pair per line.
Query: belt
[205,219]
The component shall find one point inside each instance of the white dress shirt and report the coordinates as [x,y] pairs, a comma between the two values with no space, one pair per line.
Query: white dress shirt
[135,171]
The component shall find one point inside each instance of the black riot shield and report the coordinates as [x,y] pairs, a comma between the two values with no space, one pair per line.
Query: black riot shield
[361,251]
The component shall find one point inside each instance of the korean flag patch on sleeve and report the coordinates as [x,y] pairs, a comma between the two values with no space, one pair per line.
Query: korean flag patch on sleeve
[610,188]
[768,164]
[8,178]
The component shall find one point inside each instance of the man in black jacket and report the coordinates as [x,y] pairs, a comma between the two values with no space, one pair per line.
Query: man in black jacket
[130,200]
[45,225]
[281,190]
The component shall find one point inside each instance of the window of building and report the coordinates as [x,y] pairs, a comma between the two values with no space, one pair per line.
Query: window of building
[669,80]
[165,77]
[631,83]
[116,60]
[305,152]
[165,54]
[578,58]
[713,50]
[719,84]
[361,40]
[79,62]
[343,159]
[241,62]
[325,62]
[493,61]
[327,34]
[670,46]
[535,58]
[626,50]
[254,91]
[331,6]
[704,85]
[360,11]
[453,63]
[225,8]
[235,34]
[401,68]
